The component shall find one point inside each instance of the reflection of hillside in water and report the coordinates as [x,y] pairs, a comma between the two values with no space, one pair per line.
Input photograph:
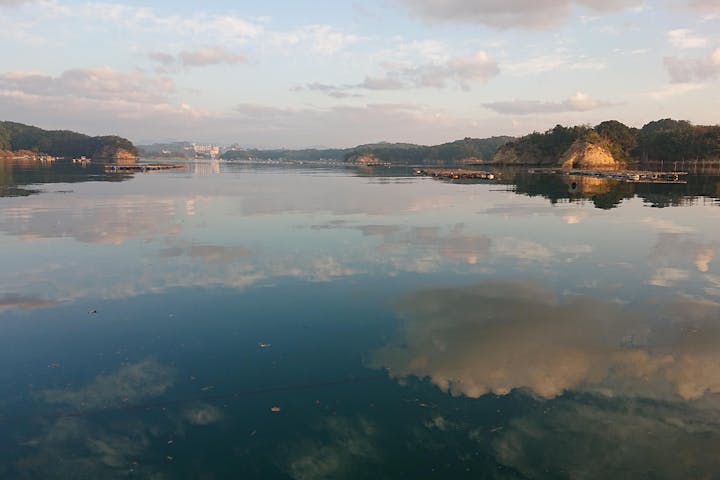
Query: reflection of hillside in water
[16,174]
[607,193]
[588,186]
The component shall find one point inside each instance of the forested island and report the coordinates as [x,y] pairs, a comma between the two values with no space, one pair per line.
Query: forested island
[610,144]
[613,144]
[17,139]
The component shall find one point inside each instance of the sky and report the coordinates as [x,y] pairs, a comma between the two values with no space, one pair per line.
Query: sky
[341,73]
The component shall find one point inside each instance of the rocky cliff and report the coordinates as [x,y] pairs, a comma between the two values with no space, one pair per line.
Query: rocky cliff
[584,154]
[114,153]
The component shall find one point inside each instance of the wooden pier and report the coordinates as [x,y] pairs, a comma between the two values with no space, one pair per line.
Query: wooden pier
[634,176]
[141,167]
[455,173]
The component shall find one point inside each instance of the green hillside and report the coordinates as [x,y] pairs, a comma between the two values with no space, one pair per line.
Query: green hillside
[62,143]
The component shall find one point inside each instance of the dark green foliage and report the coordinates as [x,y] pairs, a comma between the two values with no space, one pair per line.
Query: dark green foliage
[4,138]
[661,140]
[671,140]
[467,149]
[63,143]
[393,153]
[307,155]
[544,148]
[622,141]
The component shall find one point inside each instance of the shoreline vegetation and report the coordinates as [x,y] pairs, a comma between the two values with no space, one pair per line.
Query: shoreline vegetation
[19,141]
[659,145]
[677,144]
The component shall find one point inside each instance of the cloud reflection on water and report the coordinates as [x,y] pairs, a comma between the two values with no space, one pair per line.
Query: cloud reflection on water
[92,220]
[98,447]
[591,438]
[24,302]
[495,337]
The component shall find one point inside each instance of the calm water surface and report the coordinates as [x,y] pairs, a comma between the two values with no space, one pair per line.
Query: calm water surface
[228,321]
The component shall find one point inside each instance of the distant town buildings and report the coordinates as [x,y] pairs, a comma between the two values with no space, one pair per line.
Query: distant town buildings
[204,150]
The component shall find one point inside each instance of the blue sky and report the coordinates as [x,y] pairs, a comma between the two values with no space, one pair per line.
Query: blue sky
[294,74]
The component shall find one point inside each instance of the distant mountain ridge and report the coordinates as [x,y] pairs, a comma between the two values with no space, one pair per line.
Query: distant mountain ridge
[609,144]
[15,137]
[467,150]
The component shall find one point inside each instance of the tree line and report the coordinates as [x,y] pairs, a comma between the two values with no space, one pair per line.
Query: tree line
[661,140]
[61,143]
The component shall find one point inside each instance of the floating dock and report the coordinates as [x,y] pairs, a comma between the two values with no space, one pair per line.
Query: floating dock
[141,167]
[455,173]
[634,176]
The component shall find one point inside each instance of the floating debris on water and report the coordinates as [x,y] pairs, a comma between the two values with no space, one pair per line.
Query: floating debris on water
[141,167]
[455,173]
[631,176]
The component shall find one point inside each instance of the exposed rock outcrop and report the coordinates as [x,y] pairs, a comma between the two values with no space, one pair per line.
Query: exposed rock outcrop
[112,153]
[584,154]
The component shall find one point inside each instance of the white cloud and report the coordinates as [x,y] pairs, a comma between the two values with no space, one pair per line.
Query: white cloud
[15,3]
[684,38]
[197,28]
[320,39]
[333,91]
[509,13]
[462,72]
[98,101]
[345,125]
[676,90]
[102,83]
[580,102]
[200,26]
[559,60]
[706,6]
[203,57]
[405,51]
[200,57]
[689,70]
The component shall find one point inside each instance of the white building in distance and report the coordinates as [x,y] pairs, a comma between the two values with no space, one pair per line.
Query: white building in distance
[204,150]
